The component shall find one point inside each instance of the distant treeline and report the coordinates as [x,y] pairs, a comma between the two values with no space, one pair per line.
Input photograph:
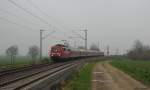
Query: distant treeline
[139,51]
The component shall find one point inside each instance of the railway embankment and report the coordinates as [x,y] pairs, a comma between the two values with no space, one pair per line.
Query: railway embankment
[37,78]
[81,80]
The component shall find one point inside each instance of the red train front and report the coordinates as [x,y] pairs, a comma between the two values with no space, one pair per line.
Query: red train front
[59,52]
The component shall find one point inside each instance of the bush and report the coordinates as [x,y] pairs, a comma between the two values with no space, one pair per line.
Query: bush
[139,51]
[45,60]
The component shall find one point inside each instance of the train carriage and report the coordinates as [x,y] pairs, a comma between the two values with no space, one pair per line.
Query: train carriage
[61,52]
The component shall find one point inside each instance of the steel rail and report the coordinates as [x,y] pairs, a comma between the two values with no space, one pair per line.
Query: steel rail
[15,70]
[17,83]
[13,77]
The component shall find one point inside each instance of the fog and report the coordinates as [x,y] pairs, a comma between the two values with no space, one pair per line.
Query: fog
[117,23]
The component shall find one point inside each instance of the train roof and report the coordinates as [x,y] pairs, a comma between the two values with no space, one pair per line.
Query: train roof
[82,50]
[60,45]
[76,49]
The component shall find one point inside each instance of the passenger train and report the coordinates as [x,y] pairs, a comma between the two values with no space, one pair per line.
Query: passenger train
[60,52]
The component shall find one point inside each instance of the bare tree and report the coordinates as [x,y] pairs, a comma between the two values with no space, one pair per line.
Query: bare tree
[81,47]
[139,51]
[33,52]
[12,51]
[94,47]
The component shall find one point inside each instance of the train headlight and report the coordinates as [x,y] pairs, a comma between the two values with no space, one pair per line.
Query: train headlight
[58,54]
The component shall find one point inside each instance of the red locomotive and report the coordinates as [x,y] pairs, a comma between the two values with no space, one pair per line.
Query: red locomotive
[61,52]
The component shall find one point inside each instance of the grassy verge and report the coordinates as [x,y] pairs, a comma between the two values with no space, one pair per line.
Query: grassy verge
[20,61]
[5,62]
[82,80]
[139,70]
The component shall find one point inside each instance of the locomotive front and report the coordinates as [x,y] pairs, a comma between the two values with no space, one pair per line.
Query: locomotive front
[59,52]
[56,52]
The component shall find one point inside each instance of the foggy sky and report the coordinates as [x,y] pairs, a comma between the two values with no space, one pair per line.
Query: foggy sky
[117,23]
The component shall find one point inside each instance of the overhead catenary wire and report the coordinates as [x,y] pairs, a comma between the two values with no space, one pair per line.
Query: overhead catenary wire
[35,16]
[12,14]
[78,34]
[27,11]
[35,6]
[20,25]
[4,11]
[44,13]
[48,35]
[32,14]
[38,8]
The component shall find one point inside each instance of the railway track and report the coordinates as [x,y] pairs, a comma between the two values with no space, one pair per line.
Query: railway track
[15,70]
[17,79]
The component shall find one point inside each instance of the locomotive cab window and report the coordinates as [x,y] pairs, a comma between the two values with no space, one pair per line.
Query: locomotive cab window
[64,49]
[69,50]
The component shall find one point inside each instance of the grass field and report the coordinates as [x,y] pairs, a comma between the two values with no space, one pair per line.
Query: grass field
[20,61]
[5,62]
[140,70]
[82,81]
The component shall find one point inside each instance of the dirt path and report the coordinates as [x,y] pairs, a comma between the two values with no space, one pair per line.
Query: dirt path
[106,77]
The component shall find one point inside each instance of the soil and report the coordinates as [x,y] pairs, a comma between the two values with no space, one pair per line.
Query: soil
[107,77]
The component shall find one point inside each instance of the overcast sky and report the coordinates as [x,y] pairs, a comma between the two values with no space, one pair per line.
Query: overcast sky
[117,23]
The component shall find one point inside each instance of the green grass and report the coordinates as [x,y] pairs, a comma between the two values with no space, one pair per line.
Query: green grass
[82,81]
[20,61]
[5,62]
[140,70]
